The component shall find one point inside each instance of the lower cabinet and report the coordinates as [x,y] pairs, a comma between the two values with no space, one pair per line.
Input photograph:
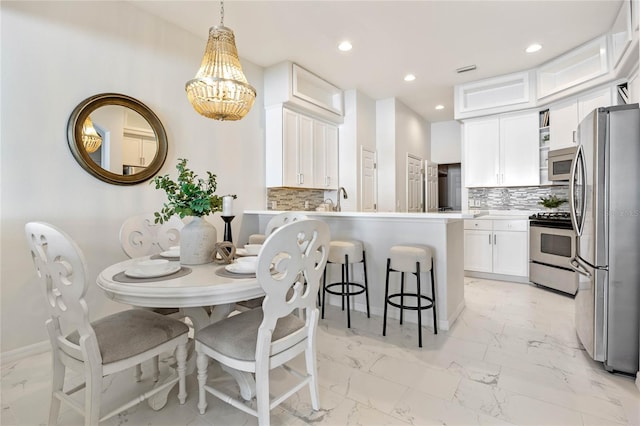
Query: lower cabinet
[496,246]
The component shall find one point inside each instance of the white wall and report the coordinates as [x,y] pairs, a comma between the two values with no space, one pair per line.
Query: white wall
[54,55]
[385,146]
[446,142]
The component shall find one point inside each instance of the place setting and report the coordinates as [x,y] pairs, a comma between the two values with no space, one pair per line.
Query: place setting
[152,270]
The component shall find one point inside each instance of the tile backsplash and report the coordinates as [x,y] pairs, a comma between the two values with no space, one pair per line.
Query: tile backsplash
[516,198]
[294,199]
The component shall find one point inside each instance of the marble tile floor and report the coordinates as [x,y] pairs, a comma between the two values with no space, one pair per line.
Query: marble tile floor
[512,358]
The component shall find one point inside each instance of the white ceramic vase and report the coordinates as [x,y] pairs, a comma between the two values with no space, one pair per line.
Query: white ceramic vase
[198,239]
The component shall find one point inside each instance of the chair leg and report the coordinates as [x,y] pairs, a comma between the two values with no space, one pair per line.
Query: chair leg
[366,283]
[348,288]
[202,361]
[343,281]
[181,358]
[386,299]
[57,384]
[138,372]
[419,305]
[156,367]
[433,296]
[262,396]
[312,371]
[324,290]
[92,395]
[401,296]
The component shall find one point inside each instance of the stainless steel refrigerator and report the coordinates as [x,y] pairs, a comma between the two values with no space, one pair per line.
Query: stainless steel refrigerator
[605,211]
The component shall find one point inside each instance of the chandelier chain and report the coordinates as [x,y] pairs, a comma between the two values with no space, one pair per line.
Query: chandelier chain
[222,13]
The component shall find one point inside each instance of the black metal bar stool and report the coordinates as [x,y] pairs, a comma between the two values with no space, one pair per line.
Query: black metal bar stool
[413,259]
[345,253]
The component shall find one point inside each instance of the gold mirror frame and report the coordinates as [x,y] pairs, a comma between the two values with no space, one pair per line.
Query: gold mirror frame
[74,138]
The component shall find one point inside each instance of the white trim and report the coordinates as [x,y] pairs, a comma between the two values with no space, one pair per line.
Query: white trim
[24,352]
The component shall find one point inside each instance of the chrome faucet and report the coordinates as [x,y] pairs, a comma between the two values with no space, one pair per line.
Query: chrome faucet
[344,192]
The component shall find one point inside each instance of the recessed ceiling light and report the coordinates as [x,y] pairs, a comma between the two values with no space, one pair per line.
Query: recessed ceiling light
[409,77]
[533,48]
[439,106]
[345,46]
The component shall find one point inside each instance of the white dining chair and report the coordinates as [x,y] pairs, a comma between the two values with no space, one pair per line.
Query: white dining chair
[100,348]
[262,339]
[141,236]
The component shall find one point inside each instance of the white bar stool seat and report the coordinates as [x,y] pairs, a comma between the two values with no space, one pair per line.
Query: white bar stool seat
[345,253]
[413,259]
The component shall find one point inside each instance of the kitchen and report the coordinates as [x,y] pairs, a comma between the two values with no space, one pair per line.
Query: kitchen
[67,195]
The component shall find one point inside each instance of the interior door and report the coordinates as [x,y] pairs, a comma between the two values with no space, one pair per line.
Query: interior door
[369,181]
[431,186]
[414,184]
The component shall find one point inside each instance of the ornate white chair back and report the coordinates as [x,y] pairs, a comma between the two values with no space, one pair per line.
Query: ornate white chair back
[141,236]
[292,258]
[282,219]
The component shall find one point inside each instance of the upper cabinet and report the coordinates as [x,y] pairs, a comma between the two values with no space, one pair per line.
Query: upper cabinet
[567,114]
[301,152]
[502,150]
[297,88]
[573,68]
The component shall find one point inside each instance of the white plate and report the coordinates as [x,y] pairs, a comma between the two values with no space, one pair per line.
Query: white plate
[241,268]
[171,253]
[160,271]
[241,252]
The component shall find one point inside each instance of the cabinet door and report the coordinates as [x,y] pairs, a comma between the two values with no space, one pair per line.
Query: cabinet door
[519,150]
[478,250]
[563,122]
[481,147]
[149,148]
[587,103]
[325,155]
[510,256]
[131,151]
[305,151]
[290,155]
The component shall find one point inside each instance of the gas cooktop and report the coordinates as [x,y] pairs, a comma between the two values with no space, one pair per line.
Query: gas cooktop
[551,216]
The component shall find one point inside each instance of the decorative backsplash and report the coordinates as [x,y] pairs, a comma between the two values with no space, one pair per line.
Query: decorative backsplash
[517,198]
[294,199]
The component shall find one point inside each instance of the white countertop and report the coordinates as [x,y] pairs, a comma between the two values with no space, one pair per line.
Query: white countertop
[390,215]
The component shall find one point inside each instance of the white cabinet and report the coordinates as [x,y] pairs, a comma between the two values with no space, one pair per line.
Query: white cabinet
[566,115]
[496,246]
[301,152]
[138,150]
[325,155]
[502,150]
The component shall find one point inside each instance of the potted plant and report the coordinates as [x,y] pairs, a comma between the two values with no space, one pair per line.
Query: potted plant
[195,197]
[552,201]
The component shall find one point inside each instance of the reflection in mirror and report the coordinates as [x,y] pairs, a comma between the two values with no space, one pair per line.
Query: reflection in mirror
[117,139]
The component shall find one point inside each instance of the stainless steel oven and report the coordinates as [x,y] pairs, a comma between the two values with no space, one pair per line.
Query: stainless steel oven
[560,161]
[552,245]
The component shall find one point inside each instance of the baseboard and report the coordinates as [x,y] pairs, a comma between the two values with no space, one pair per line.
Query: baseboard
[498,277]
[24,352]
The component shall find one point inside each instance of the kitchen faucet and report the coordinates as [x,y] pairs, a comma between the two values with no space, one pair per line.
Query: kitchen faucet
[344,192]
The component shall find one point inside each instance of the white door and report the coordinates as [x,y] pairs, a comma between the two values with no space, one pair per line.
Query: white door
[482,152]
[431,186]
[519,150]
[563,121]
[510,253]
[369,181]
[478,250]
[414,184]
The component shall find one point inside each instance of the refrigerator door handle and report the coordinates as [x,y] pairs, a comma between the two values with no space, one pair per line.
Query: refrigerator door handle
[577,266]
[572,191]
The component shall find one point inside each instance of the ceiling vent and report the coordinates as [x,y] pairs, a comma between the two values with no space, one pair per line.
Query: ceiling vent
[465,69]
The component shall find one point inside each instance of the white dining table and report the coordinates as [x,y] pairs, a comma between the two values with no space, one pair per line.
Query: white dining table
[194,289]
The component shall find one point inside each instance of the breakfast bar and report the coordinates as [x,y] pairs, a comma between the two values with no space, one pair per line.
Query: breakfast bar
[443,232]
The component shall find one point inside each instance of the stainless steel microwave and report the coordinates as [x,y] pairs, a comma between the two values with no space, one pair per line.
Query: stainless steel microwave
[560,163]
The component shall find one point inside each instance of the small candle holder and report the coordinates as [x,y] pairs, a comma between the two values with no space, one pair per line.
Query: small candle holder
[227,228]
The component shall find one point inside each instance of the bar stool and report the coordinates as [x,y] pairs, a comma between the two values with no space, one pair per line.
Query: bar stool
[413,259]
[345,253]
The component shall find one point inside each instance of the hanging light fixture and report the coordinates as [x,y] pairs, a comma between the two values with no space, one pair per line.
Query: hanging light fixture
[90,138]
[220,90]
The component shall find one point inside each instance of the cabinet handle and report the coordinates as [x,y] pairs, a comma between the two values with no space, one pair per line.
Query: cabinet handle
[301,178]
[494,238]
[574,136]
[497,178]
[489,239]
[502,178]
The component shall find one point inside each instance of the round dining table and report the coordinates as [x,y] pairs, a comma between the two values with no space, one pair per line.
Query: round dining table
[204,293]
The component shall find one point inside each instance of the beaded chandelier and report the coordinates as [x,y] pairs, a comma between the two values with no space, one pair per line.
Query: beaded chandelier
[90,138]
[220,90]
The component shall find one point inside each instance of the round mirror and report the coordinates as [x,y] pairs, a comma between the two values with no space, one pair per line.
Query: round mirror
[117,139]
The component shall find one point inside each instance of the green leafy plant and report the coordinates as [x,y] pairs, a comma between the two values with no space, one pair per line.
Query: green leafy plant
[188,195]
[552,201]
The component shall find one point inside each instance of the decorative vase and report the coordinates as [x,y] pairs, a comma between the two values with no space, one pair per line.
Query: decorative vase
[198,240]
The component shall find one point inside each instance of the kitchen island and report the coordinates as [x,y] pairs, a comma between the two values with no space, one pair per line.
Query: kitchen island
[443,232]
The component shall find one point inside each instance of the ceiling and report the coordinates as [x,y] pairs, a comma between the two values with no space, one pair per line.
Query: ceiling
[430,39]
